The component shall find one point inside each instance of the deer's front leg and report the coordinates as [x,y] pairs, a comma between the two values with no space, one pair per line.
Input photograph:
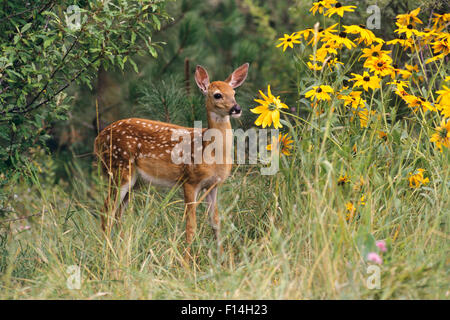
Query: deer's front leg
[190,200]
[213,212]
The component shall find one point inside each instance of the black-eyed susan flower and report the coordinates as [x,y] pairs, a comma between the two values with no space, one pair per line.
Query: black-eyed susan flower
[442,46]
[319,93]
[340,39]
[407,30]
[323,34]
[404,43]
[314,67]
[380,66]
[305,33]
[445,110]
[440,20]
[283,143]
[443,101]
[366,81]
[442,135]
[339,9]
[435,58]
[443,95]
[382,135]
[409,18]
[351,211]
[365,35]
[399,84]
[353,99]
[269,110]
[417,180]
[321,5]
[374,52]
[342,180]
[415,102]
[408,71]
[289,40]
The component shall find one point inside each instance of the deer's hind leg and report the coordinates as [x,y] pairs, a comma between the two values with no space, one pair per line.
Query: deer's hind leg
[123,180]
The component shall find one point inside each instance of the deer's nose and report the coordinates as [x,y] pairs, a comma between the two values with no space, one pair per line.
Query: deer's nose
[235,111]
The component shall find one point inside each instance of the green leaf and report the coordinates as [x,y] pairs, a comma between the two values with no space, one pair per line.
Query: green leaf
[26,27]
[134,65]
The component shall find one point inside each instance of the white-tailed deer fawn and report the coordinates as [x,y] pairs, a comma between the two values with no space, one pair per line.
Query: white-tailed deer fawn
[138,147]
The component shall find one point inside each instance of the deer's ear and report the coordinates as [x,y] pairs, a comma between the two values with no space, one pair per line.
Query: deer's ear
[238,76]
[202,79]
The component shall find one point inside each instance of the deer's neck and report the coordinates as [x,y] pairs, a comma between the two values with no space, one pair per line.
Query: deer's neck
[222,126]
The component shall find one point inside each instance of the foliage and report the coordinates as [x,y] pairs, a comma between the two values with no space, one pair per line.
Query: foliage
[44,49]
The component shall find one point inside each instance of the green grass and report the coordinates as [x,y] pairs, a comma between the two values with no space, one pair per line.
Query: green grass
[285,236]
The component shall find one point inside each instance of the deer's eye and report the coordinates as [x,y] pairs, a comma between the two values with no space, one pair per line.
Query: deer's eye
[217,96]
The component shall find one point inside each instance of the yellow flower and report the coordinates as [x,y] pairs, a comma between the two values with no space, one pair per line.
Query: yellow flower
[416,180]
[408,30]
[314,66]
[437,57]
[351,210]
[444,95]
[409,71]
[445,110]
[366,81]
[323,33]
[374,52]
[283,142]
[305,33]
[399,84]
[343,180]
[363,115]
[319,93]
[321,5]
[415,102]
[405,43]
[409,18]
[442,135]
[353,98]
[442,46]
[364,34]
[339,9]
[269,110]
[339,40]
[382,135]
[362,200]
[440,20]
[380,66]
[289,40]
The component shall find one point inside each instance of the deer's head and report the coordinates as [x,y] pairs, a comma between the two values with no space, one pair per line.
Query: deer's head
[220,94]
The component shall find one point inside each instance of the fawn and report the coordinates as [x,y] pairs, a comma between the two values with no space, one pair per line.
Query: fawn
[138,147]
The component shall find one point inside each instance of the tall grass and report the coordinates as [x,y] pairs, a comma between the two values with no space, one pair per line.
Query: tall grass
[285,236]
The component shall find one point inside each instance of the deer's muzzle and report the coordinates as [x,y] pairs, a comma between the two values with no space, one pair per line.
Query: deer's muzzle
[236,111]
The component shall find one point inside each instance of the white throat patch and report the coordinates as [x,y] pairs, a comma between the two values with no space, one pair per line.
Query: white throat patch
[218,118]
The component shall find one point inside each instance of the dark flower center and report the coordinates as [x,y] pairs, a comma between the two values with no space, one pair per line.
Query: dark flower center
[319,90]
[338,5]
[409,26]
[375,53]
[380,64]
[367,79]
[343,34]
[288,39]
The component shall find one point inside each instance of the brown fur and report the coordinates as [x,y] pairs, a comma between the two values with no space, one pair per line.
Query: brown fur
[135,146]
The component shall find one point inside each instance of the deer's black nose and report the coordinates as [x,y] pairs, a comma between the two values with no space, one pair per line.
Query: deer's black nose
[236,109]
